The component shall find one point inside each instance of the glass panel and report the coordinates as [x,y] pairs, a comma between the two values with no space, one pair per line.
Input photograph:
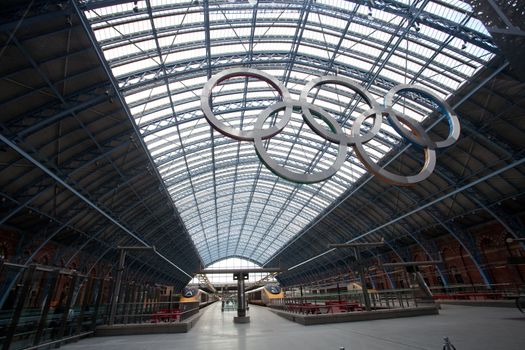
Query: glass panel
[231,204]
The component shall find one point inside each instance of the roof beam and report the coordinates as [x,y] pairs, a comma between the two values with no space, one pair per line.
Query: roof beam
[115,85]
[83,198]
[247,270]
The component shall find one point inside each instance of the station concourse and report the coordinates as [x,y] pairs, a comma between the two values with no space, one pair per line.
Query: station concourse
[215,330]
[298,174]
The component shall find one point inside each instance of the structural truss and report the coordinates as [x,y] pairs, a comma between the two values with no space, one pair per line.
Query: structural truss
[163,52]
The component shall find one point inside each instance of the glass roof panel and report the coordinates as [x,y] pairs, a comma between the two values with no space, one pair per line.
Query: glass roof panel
[231,204]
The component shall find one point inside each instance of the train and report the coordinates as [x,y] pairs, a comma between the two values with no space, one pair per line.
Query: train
[194,294]
[264,295]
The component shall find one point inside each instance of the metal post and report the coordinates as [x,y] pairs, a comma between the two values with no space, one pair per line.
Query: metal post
[357,252]
[147,300]
[241,298]
[97,304]
[24,292]
[130,302]
[157,300]
[67,306]
[84,304]
[116,292]
[126,299]
[241,308]
[142,305]
[399,300]
[1,265]
[53,282]
[364,288]
[422,285]
[136,302]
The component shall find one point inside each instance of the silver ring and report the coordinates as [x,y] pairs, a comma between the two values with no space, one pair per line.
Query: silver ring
[321,131]
[407,127]
[382,173]
[279,170]
[241,135]
[422,139]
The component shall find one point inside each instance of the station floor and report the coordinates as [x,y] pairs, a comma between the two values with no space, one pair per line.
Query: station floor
[469,328]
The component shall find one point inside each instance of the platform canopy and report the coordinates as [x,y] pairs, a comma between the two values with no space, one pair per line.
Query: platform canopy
[163,52]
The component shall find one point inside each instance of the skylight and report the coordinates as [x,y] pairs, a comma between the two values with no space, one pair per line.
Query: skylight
[230,203]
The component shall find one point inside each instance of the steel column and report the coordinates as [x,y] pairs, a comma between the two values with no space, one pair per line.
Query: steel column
[116,292]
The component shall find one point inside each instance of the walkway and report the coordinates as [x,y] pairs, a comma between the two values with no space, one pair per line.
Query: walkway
[469,328]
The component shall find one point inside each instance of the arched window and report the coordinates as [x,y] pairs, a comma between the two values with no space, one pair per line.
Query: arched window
[232,263]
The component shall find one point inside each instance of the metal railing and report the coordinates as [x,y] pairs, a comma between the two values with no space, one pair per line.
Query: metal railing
[499,291]
[347,302]
[44,306]
[156,312]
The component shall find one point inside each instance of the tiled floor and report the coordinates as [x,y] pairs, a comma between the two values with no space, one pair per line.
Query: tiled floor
[469,328]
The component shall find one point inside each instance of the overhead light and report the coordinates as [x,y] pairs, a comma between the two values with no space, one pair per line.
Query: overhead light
[135,8]
[464,46]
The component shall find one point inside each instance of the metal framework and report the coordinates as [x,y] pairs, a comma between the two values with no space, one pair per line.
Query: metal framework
[162,52]
[104,144]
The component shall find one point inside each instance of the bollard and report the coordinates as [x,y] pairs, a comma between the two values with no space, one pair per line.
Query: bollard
[447,345]
[342,348]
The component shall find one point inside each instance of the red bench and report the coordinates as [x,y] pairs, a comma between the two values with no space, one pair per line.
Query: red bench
[343,306]
[166,315]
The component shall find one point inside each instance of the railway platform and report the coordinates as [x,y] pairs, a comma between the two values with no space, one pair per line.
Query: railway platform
[466,327]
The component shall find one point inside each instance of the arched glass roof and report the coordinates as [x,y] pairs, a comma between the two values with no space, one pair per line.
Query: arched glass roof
[163,52]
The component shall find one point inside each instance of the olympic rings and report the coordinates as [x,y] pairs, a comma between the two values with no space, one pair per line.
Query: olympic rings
[280,170]
[407,127]
[241,135]
[385,175]
[321,131]
[422,140]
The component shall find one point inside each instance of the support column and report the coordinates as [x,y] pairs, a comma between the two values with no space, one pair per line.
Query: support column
[116,291]
[241,298]
[98,300]
[361,268]
[22,297]
[422,285]
[364,288]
